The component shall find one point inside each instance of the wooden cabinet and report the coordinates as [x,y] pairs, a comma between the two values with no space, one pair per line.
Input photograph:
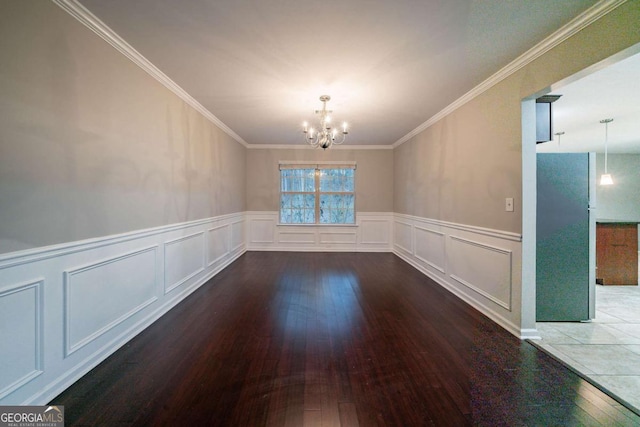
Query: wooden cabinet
[617,253]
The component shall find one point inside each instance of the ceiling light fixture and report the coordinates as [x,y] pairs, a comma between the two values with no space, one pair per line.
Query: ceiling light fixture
[325,137]
[606,179]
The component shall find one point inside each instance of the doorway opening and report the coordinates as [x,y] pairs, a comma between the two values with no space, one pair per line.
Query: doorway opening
[607,349]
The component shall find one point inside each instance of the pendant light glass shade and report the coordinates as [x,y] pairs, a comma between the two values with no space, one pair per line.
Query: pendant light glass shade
[606,179]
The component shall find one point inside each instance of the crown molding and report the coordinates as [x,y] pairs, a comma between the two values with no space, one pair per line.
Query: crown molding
[88,19]
[83,15]
[581,21]
[308,147]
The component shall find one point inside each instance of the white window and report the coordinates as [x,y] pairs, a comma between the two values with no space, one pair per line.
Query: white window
[317,194]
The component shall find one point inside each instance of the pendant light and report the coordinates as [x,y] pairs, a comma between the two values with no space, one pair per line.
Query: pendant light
[559,134]
[606,178]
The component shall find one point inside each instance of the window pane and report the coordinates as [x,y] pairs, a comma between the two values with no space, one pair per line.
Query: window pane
[324,216]
[350,217]
[285,216]
[297,201]
[297,216]
[310,201]
[337,180]
[327,180]
[285,200]
[297,180]
[350,201]
[349,181]
[310,180]
[297,209]
[337,201]
[324,201]
[337,209]
[310,216]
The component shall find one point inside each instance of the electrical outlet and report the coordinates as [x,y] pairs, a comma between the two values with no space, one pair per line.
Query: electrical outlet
[508,206]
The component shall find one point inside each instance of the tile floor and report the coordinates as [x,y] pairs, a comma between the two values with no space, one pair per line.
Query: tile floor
[606,350]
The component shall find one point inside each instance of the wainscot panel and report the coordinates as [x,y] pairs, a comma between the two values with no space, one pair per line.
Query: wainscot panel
[217,243]
[237,235]
[374,231]
[102,295]
[20,335]
[430,247]
[403,236]
[476,264]
[183,259]
[483,268]
[67,307]
[339,237]
[371,233]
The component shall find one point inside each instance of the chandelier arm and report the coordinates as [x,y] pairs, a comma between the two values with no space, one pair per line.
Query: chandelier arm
[340,139]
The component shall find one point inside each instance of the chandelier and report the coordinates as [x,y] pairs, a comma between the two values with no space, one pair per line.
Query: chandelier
[326,135]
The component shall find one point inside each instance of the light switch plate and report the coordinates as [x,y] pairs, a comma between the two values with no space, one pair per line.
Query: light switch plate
[508,206]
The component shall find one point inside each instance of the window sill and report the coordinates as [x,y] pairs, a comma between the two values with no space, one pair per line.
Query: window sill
[280,224]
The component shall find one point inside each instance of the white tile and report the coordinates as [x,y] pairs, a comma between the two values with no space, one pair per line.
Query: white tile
[604,359]
[629,313]
[634,348]
[602,317]
[607,349]
[565,358]
[551,335]
[596,333]
[631,329]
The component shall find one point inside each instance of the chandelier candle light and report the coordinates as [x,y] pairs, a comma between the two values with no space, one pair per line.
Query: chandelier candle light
[325,137]
[606,179]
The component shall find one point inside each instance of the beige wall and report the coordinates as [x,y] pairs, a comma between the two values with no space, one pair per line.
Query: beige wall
[91,145]
[374,176]
[462,168]
[621,201]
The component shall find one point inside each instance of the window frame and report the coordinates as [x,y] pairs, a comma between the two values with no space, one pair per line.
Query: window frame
[317,193]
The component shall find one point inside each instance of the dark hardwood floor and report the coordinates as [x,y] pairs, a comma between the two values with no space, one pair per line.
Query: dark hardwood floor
[329,339]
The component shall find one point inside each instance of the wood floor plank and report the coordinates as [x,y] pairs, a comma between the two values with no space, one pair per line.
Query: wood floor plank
[324,339]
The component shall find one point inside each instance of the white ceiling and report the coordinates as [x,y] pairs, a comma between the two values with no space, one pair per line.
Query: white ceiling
[611,93]
[389,66]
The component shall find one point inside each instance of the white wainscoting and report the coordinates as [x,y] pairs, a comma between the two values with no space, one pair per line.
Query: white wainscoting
[479,265]
[371,233]
[104,294]
[183,259]
[65,308]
